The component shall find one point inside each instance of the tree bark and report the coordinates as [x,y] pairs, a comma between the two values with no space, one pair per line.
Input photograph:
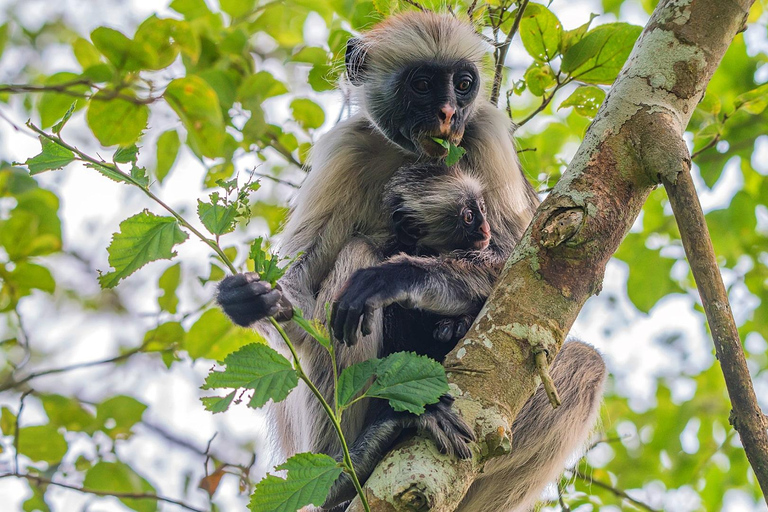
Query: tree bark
[635,139]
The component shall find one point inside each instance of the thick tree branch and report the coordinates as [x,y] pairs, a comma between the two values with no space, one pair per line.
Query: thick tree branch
[746,417]
[561,259]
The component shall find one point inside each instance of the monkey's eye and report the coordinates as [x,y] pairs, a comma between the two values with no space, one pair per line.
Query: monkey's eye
[482,207]
[467,216]
[464,85]
[420,85]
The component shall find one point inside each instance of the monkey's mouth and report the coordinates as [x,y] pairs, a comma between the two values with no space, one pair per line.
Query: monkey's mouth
[434,149]
[481,244]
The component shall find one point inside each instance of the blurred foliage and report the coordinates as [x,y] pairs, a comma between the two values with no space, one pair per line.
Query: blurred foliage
[239,78]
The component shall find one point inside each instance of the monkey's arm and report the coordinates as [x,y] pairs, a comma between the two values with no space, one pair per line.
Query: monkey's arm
[449,285]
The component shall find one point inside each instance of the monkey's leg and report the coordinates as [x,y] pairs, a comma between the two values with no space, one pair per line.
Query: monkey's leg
[439,422]
[542,437]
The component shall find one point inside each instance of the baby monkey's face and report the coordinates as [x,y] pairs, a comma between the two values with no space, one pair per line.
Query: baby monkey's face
[473,230]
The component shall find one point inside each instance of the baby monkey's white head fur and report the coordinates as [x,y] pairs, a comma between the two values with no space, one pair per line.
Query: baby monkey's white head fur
[418,75]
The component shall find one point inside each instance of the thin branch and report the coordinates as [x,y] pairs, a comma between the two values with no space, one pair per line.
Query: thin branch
[129,179]
[416,5]
[16,431]
[612,489]
[276,180]
[545,101]
[747,418]
[709,145]
[501,52]
[122,495]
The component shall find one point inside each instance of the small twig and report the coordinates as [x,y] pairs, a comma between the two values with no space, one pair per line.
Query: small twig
[725,335]
[545,101]
[612,489]
[276,180]
[417,5]
[124,495]
[65,89]
[523,150]
[606,440]
[709,145]
[542,366]
[16,432]
[471,10]
[560,499]
[501,52]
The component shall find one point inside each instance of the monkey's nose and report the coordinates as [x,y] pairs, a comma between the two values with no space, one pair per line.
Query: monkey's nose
[446,113]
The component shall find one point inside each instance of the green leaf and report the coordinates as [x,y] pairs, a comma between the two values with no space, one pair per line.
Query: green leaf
[121,51]
[354,378]
[33,228]
[571,37]
[167,151]
[158,34]
[541,32]
[214,336]
[36,502]
[197,105]
[257,367]
[164,336]
[191,9]
[257,88]
[168,283]
[307,113]
[7,422]
[265,264]
[309,478]
[116,477]
[585,100]
[86,53]
[67,412]
[237,8]
[538,78]
[27,276]
[314,328]
[68,114]
[51,158]
[600,55]
[454,152]
[116,120]
[311,55]
[217,218]
[42,443]
[116,416]
[753,101]
[142,238]
[218,403]
[409,382]
[126,154]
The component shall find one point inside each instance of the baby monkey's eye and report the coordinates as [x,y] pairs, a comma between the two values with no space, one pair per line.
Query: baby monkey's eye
[482,207]
[468,216]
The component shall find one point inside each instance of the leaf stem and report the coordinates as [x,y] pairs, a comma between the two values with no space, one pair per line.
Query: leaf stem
[331,415]
[129,179]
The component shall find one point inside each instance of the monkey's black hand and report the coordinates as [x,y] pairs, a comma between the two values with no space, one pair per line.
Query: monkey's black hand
[446,428]
[452,329]
[365,291]
[245,299]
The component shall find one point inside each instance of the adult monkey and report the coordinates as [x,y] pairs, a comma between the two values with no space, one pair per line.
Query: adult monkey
[415,75]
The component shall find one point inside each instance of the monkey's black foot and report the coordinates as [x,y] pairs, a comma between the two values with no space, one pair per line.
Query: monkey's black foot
[451,330]
[245,299]
[446,428]
[342,491]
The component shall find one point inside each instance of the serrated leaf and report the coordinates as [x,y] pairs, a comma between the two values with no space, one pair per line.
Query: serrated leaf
[354,378]
[309,478]
[126,154]
[585,100]
[541,32]
[218,219]
[168,283]
[167,151]
[454,152]
[58,126]
[52,157]
[258,367]
[116,120]
[139,176]
[218,403]
[143,238]
[107,171]
[409,381]
[197,105]
[265,264]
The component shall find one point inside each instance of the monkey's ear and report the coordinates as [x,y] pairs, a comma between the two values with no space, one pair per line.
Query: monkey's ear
[355,60]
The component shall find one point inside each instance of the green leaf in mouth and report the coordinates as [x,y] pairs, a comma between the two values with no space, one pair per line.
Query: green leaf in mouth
[454,152]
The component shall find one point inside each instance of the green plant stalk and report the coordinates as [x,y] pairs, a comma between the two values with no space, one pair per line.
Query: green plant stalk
[331,415]
[128,178]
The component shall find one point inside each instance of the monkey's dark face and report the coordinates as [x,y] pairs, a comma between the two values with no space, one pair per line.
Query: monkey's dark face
[472,229]
[424,101]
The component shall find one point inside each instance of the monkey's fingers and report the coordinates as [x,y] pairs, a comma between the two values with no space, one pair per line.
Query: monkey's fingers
[444,330]
[253,308]
[241,291]
[352,323]
[338,315]
[366,328]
